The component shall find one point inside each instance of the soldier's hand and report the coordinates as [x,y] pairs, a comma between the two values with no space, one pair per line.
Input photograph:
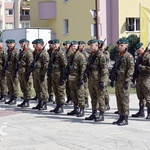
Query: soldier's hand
[140,67]
[61,82]
[126,85]
[101,85]
[80,83]
[42,78]
[111,84]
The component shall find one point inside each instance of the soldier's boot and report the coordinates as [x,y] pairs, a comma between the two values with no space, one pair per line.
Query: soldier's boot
[3,98]
[107,106]
[74,112]
[140,113]
[24,104]
[55,109]
[51,99]
[86,103]
[148,113]
[12,101]
[38,106]
[124,121]
[69,101]
[43,106]
[92,116]
[100,117]
[9,100]
[118,121]
[81,112]
[34,98]
[60,109]
[116,112]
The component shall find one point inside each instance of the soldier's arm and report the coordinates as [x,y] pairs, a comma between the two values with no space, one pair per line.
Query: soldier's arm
[147,66]
[130,68]
[63,60]
[45,63]
[29,58]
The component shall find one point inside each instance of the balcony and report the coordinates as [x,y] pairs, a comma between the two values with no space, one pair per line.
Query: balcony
[24,17]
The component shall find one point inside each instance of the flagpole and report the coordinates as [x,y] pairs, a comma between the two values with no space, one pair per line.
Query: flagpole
[140,19]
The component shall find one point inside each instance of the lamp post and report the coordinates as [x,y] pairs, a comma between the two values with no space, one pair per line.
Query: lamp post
[97,19]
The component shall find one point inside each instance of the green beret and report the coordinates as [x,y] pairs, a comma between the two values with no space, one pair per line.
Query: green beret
[39,41]
[23,40]
[33,42]
[66,42]
[81,42]
[50,41]
[137,46]
[100,41]
[10,41]
[92,41]
[55,41]
[73,42]
[122,41]
[1,41]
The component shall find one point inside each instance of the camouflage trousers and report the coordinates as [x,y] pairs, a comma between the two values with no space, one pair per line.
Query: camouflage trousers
[143,90]
[25,86]
[3,85]
[122,97]
[86,91]
[50,85]
[12,83]
[67,89]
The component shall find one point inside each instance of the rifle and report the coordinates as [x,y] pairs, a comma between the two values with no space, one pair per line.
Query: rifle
[88,70]
[69,65]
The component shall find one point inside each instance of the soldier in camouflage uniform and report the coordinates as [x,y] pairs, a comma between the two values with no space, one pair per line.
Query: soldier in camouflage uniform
[12,68]
[83,50]
[142,76]
[76,84]
[3,81]
[49,75]
[103,49]
[66,45]
[39,74]
[24,61]
[124,68]
[97,81]
[59,62]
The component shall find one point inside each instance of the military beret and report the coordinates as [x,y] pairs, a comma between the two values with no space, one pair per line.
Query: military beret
[66,42]
[23,40]
[137,46]
[122,41]
[81,42]
[55,41]
[10,41]
[100,41]
[1,41]
[38,41]
[33,42]
[50,41]
[92,41]
[73,42]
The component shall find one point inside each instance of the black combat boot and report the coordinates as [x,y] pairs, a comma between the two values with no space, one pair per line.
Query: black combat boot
[38,106]
[124,121]
[34,98]
[86,103]
[74,112]
[100,117]
[116,112]
[3,99]
[12,101]
[60,109]
[107,106]
[11,98]
[24,104]
[55,109]
[43,106]
[140,113]
[92,116]
[81,112]
[51,99]
[118,121]
[148,113]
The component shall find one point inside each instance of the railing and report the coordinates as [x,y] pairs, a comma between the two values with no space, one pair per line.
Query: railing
[23,17]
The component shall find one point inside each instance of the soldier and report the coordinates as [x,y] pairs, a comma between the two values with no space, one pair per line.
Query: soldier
[3,81]
[124,68]
[39,74]
[142,76]
[12,68]
[97,74]
[103,49]
[59,62]
[24,61]
[76,64]
[49,75]
[83,50]
[66,45]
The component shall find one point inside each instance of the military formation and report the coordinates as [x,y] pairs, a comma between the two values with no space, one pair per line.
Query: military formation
[75,74]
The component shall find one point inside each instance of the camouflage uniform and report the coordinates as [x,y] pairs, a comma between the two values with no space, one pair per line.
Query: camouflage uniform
[59,64]
[25,60]
[3,81]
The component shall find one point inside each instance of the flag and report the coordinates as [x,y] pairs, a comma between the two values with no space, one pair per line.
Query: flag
[144,25]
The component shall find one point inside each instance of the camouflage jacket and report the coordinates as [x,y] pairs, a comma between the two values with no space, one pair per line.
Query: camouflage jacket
[3,58]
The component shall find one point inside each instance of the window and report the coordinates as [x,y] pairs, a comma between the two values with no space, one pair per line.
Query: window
[25,25]
[65,26]
[9,12]
[65,0]
[9,25]
[25,12]
[132,24]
